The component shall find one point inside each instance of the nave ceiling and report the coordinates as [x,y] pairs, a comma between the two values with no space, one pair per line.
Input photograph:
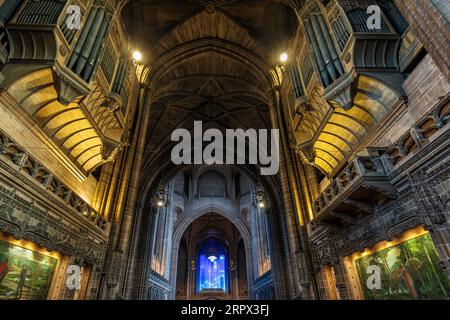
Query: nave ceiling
[210,61]
[215,61]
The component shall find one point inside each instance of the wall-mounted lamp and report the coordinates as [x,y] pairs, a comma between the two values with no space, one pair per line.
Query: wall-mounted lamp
[161,196]
[260,196]
[284,57]
[137,56]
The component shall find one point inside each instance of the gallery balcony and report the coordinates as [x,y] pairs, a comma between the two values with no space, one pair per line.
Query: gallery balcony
[355,191]
[18,160]
[68,101]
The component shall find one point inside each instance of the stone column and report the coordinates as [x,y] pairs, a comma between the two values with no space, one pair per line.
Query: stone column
[430,189]
[125,205]
[130,222]
[290,244]
[321,284]
[441,238]
[297,263]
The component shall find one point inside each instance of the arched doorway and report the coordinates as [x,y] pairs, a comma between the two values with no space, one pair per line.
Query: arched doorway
[210,264]
[192,217]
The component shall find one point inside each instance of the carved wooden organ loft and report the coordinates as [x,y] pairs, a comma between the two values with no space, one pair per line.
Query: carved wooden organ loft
[72,84]
[343,80]
[73,87]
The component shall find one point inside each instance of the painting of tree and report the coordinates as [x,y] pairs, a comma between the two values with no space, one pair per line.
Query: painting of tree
[24,274]
[409,270]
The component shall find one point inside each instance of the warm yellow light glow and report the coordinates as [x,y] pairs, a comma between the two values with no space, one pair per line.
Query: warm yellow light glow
[406,236]
[30,246]
[261,204]
[350,261]
[160,203]
[137,56]
[53,289]
[284,57]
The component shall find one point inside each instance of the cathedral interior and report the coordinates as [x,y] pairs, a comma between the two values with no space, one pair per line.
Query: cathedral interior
[92,90]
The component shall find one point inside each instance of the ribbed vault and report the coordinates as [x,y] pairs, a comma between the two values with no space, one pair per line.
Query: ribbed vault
[267,24]
[209,67]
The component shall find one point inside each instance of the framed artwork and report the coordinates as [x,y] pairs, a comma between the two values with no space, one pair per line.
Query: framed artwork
[408,270]
[24,274]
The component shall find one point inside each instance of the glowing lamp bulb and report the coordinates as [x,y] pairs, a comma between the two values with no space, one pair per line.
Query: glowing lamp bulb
[137,56]
[261,204]
[160,203]
[284,57]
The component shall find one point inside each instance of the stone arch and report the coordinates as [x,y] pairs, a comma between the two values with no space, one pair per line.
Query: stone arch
[182,225]
[151,175]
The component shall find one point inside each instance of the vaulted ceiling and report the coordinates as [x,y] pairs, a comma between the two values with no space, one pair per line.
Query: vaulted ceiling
[211,226]
[269,22]
[208,60]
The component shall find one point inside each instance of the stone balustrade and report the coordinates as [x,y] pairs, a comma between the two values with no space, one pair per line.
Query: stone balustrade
[19,159]
[364,177]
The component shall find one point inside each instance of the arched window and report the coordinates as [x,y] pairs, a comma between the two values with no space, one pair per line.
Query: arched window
[212,267]
[212,184]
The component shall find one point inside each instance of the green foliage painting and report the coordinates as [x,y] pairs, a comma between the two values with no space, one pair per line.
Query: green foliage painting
[409,270]
[24,274]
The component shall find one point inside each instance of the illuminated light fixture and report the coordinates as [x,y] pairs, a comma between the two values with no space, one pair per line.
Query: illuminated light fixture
[161,196]
[161,199]
[260,196]
[137,56]
[284,57]
[212,258]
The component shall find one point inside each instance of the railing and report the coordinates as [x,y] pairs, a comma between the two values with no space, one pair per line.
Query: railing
[212,195]
[420,134]
[16,156]
[372,172]
[409,49]
[108,62]
[359,168]
[358,19]
[40,12]
[3,46]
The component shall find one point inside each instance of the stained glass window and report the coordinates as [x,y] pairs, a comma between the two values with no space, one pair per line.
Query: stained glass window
[212,268]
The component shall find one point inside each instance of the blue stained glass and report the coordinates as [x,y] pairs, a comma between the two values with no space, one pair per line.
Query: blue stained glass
[212,267]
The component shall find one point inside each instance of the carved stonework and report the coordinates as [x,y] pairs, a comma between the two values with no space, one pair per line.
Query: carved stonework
[342,92]
[418,204]
[307,152]
[16,162]
[115,268]
[25,220]
[68,87]
[3,46]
